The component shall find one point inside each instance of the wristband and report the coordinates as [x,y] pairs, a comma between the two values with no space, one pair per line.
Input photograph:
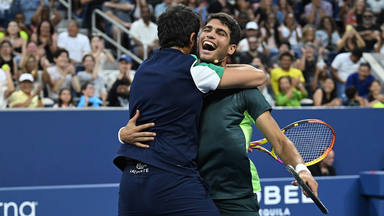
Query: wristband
[301,167]
[118,136]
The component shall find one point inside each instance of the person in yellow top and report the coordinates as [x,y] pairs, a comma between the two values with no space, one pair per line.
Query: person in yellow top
[285,69]
[25,98]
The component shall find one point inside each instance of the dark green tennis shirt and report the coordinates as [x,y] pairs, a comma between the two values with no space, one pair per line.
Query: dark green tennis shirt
[225,133]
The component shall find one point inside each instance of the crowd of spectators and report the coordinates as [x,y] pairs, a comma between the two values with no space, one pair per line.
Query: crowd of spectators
[311,49]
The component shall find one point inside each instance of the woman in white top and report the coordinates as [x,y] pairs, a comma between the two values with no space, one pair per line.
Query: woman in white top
[6,86]
[290,31]
[102,56]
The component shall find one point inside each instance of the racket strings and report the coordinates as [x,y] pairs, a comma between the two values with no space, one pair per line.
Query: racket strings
[312,139]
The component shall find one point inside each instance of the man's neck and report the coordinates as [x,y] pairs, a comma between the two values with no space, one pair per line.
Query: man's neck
[185,50]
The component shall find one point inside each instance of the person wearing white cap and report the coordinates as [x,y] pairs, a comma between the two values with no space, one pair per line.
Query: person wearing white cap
[26,97]
[251,29]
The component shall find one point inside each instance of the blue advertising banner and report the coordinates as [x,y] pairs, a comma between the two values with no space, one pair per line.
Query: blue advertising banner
[278,198]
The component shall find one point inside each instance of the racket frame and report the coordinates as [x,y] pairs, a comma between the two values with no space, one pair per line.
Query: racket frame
[257,144]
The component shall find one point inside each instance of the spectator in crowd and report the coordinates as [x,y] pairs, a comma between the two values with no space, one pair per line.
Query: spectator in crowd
[326,95]
[13,35]
[264,89]
[25,31]
[246,57]
[44,13]
[76,43]
[26,97]
[125,66]
[289,94]
[362,79]
[30,65]
[284,7]
[120,11]
[290,31]
[88,6]
[368,30]
[28,8]
[227,7]
[198,7]
[324,167]
[65,99]
[88,98]
[6,86]
[284,46]
[351,40]
[307,64]
[376,6]
[327,34]
[60,75]
[321,73]
[344,65]
[270,34]
[144,33]
[91,75]
[375,96]
[46,38]
[162,7]
[6,12]
[7,57]
[262,10]
[118,95]
[286,60]
[251,29]
[353,98]
[354,14]
[379,46]
[34,50]
[309,36]
[102,56]
[316,10]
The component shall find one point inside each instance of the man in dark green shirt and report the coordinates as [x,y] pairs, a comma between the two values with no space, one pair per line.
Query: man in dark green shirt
[223,161]
[225,130]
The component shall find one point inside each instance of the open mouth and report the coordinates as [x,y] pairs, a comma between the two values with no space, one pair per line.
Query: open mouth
[209,46]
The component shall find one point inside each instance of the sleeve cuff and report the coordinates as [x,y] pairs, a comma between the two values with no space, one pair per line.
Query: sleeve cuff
[118,136]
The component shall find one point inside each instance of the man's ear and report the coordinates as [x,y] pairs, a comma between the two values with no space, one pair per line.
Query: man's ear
[192,39]
[231,49]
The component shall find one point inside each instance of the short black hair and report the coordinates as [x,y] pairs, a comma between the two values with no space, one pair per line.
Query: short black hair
[176,25]
[59,52]
[286,43]
[357,52]
[365,64]
[286,54]
[231,23]
[85,85]
[350,92]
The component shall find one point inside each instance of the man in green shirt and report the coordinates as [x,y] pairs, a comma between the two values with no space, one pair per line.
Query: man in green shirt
[226,129]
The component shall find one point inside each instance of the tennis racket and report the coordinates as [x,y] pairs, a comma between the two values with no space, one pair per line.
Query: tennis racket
[313,139]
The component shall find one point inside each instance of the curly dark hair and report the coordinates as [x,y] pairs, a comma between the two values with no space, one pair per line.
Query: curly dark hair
[231,23]
[176,25]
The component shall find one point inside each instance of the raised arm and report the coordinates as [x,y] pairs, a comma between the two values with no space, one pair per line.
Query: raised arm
[242,76]
[284,148]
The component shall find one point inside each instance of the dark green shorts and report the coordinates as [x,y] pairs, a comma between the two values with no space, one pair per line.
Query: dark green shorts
[238,207]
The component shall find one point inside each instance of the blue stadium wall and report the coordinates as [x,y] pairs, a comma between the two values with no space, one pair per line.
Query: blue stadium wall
[45,148]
